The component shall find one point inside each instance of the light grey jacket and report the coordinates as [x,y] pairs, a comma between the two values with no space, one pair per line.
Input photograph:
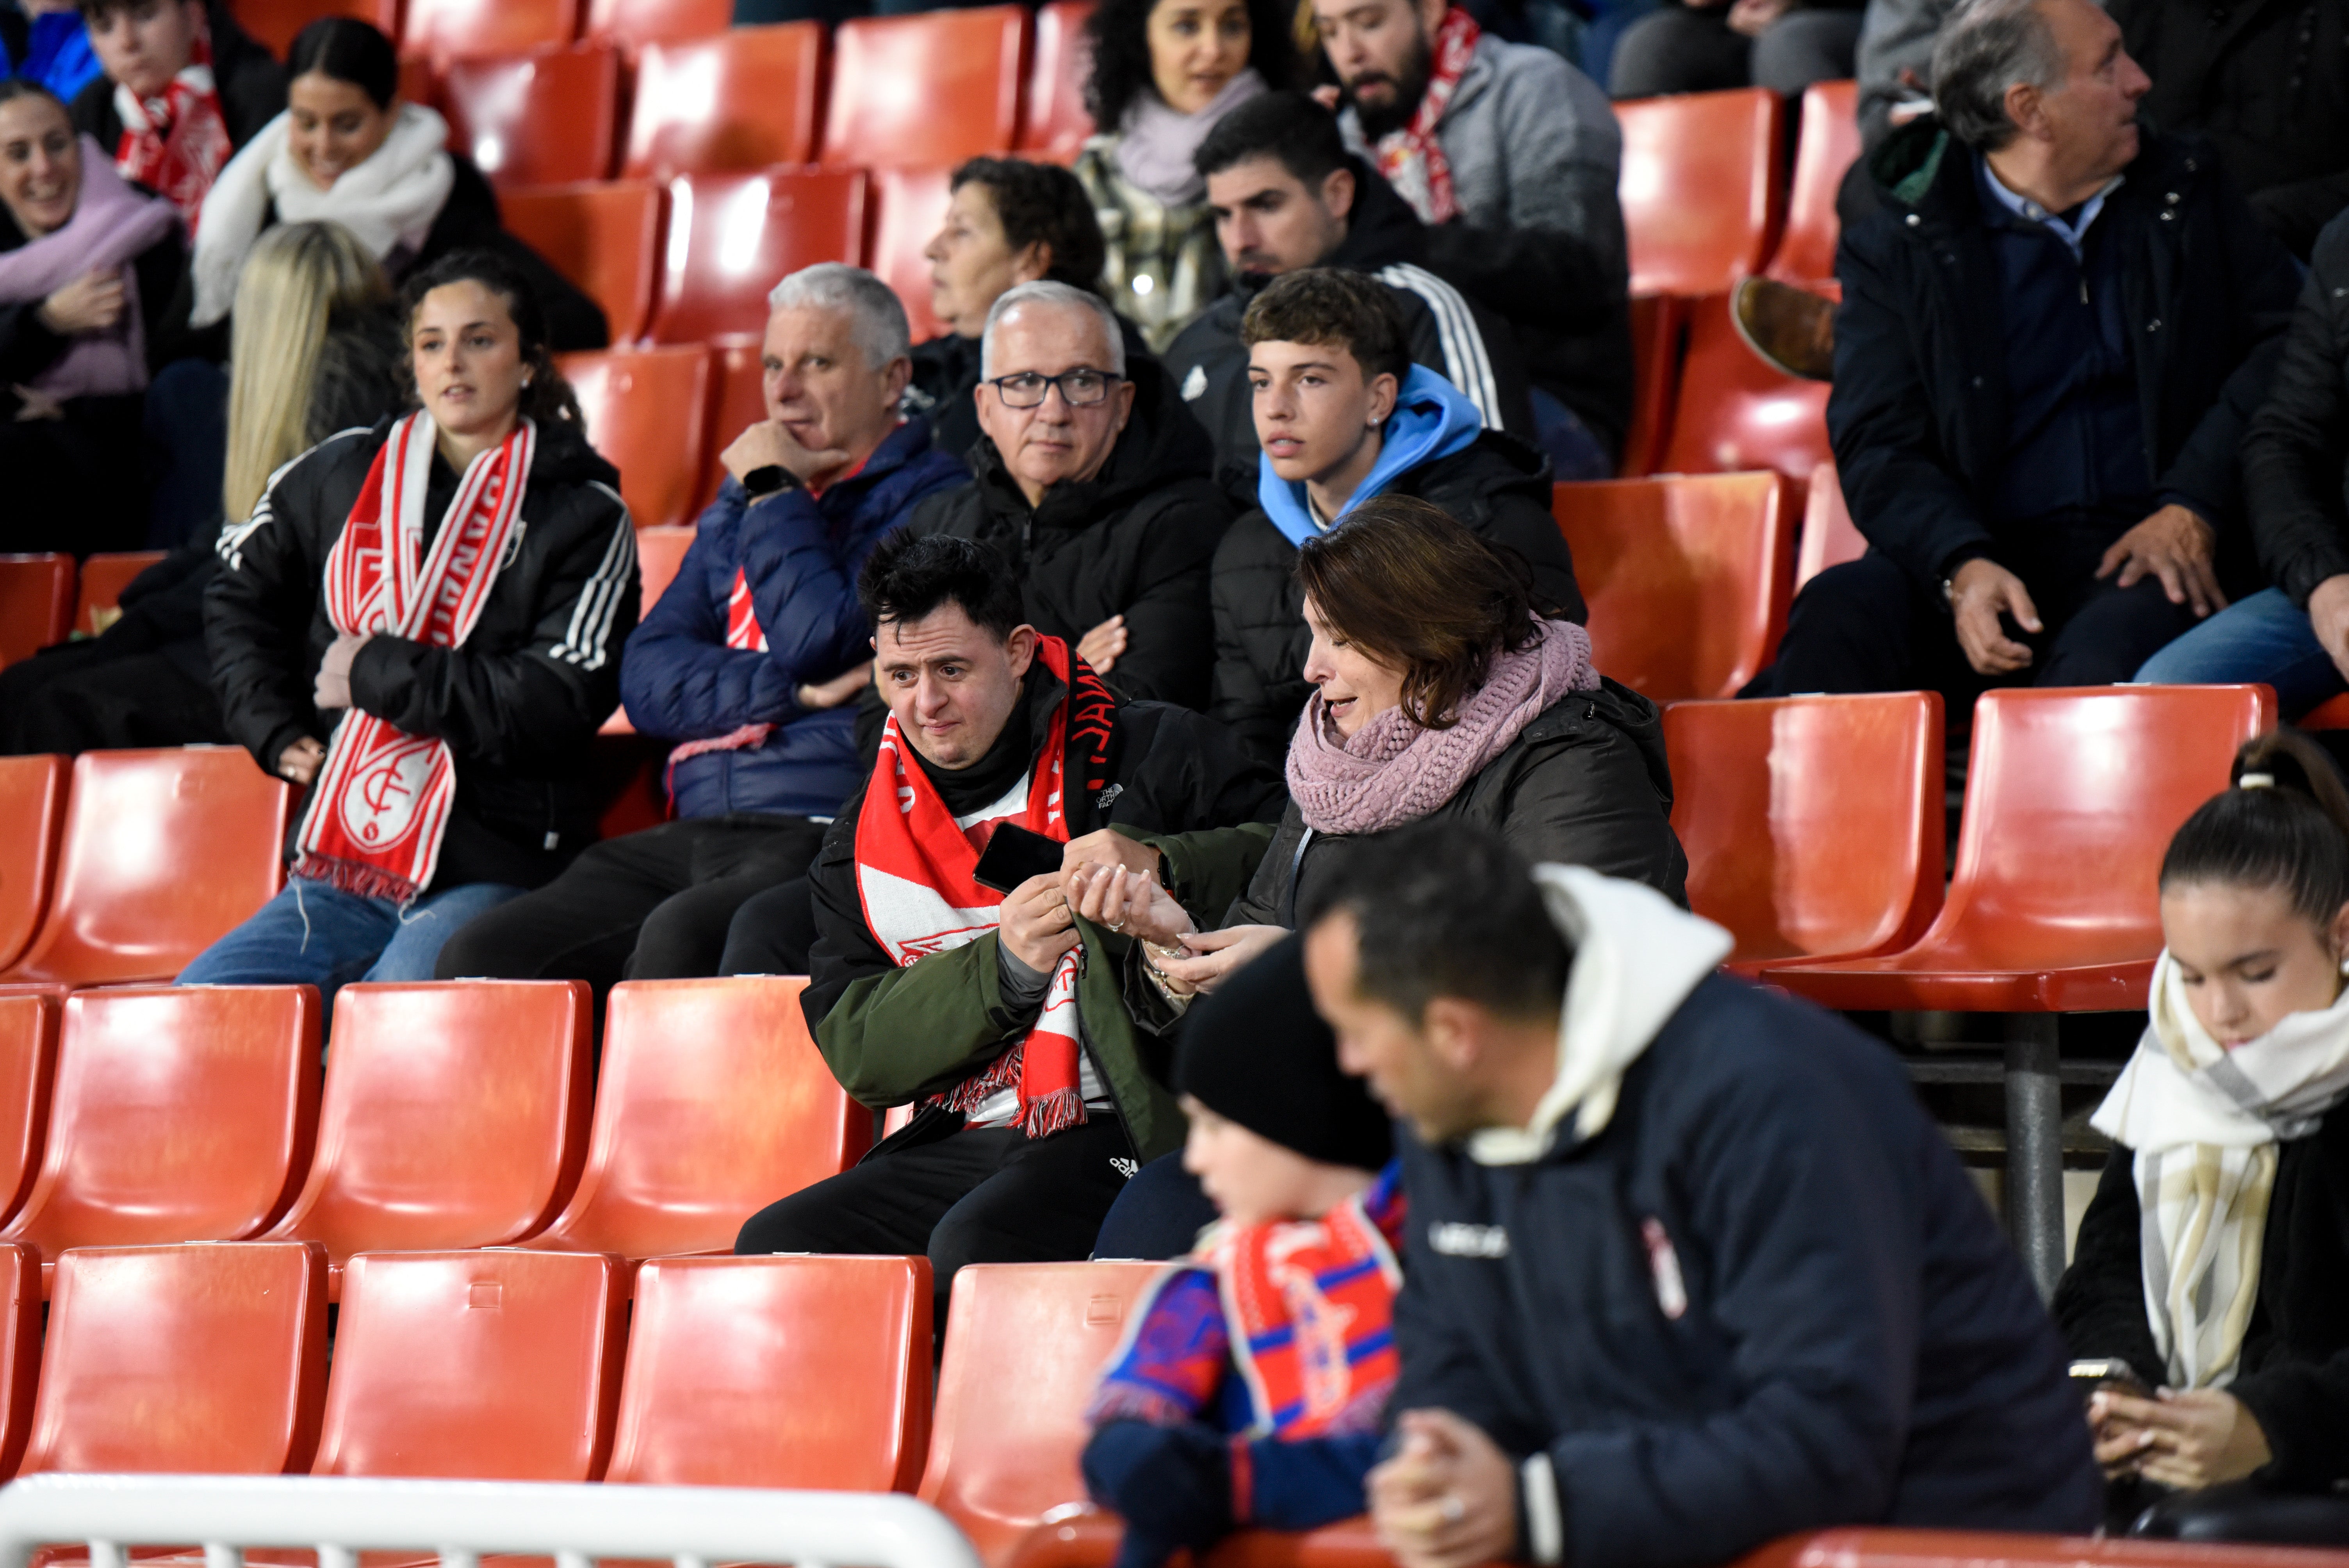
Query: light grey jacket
[1896,36]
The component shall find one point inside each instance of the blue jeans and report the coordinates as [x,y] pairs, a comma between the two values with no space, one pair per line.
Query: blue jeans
[315,932]
[2261,638]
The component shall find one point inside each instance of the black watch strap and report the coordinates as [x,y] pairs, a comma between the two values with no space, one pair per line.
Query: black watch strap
[767,480]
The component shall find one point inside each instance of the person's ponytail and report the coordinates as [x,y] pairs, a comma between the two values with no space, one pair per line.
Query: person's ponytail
[2284,823]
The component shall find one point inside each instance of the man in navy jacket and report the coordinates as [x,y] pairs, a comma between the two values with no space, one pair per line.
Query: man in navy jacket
[751,660]
[1687,1267]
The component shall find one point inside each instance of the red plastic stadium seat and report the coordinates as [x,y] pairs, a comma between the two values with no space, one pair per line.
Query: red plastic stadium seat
[604,237]
[1830,536]
[492,1366]
[660,553]
[1685,576]
[2331,714]
[277,22]
[544,118]
[165,852]
[1700,188]
[454,1116]
[713,1103]
[1659,325]
[205,1359]
[740,101]
[2070,797]
[719,1344]
[1813,824]
[639,21]
[1734,412]
[178,1115]
[472,29]
[20,1350]
[103,578]
[33,809]
[731,238]
[28,1063]
[738,401]
[912,205]
[1827,146]
[36,604]
[928,90]
[646,412]
[1056,124]
[1024,1344]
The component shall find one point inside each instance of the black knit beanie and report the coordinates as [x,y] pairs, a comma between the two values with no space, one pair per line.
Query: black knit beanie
[1256,1051]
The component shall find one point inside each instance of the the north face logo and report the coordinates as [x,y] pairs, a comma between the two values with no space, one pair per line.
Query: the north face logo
[1454,1240]
[1194,386]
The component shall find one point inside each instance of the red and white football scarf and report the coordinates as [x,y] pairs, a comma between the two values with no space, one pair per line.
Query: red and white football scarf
[1411,159]
[176,142]
[384,795]
[913,865]
[743,634]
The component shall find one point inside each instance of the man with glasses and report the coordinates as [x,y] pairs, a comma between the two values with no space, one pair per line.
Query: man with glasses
[1095,487]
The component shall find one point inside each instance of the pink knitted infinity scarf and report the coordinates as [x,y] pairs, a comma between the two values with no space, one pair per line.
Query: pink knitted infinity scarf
[1394,771]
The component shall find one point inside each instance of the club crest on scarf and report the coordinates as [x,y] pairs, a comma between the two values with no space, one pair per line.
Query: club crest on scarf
[1411,159]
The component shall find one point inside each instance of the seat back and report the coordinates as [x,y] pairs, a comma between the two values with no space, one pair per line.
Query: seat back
[605,238]
[1700,188]
[28,1066]
[20,1350]
[737,102]
[1813,824]
[103,578]
[718,1346]
[543,119]
[660,553]
[1734,412]
[455,1115]
[1686,576]
[165,852]
[1025,1343]
[1658,327]
[33,804]
[731,236]
[647,412]
[1826,146]
[1057,123]
[910,208]
[178,1115]
[277,23]
[1830,536]
[492,1366]
[475,29]
[926,90]
[713,1103]
[635,23]
[737,399]
[204,1359]
[36,604]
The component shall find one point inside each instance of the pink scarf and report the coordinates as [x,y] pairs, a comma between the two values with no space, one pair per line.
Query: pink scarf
[1393,771]
[111,225]
[1411,159]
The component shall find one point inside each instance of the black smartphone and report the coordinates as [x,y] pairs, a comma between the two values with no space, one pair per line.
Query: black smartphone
[1013,854]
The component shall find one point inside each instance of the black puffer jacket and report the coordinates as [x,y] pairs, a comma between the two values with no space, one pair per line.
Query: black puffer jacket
[1134,541]
[1499,488]
[250,81]
[517,703]
[2296,458]
[1919,410]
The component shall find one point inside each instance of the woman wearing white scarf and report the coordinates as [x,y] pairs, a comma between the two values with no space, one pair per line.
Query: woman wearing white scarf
[2215,1256]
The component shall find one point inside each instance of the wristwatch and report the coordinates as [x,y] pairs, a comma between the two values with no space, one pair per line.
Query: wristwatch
[769,480]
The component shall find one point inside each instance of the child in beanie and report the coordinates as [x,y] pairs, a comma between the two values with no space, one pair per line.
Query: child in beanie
[1251,1384]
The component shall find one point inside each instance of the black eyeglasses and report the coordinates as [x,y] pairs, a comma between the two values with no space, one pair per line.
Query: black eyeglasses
[1080,388]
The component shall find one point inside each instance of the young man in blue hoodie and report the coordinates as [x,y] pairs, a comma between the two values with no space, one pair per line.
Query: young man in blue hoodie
[1343,414]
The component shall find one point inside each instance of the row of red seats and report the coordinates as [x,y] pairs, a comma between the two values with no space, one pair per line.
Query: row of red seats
[44,600]
[464,28]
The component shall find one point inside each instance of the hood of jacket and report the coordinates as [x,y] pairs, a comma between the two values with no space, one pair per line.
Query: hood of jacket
[1161,445]
[1636,958]
[1432,418]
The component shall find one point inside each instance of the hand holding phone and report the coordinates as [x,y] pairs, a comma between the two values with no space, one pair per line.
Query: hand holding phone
[1013,855]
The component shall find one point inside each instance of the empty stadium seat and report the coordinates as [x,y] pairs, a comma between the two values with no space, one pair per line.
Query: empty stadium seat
[103,579]
[910,208]
[472,29]
[543,119]
[20,1350]
[740,101]
[33,805]
[36,604]
[203,1359]
[604,237]
[1814,825]
[1826,144]
[276,23]
[1830,536]
[495,1365]
[164,853]
[646,412]
[2071,795]
[454,1116]
[639,21]
[1734,412]
[712,1103]
[1658,324]
[732,236]
[737,400]
[28,1062]
[1057,124]
[928,90]
[718,1346]
[1686,576]
[1700,188]
[179,1114]
[1024,1344]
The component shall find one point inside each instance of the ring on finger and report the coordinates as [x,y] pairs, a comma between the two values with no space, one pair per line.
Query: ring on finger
[1454,1511]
